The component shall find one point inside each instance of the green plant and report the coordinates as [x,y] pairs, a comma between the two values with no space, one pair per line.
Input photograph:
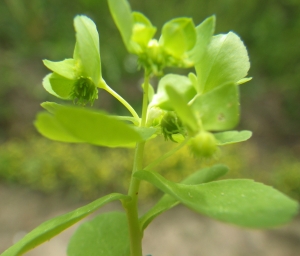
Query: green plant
[194,111]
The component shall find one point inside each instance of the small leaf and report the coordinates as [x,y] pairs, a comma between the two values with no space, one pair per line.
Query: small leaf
[219,108]
[105,235]
[181,108]
[225,60]
[244,80]
[52,227]
[229,137]
[178,36]
[121,13]
[51,107]
[71,124]
[204,32]
[143,31]
[87,39]
[242,202]
[65,68]
[167,202]
[182,84]
[61,86]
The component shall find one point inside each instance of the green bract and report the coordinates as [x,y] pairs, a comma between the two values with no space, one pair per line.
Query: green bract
[77,79]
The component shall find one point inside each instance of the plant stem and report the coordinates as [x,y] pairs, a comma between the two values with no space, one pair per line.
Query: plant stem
[131,207]
[104,86]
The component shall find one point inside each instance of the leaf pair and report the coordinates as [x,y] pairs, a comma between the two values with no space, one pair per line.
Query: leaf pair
[107,234]
[78,78]
[79,125]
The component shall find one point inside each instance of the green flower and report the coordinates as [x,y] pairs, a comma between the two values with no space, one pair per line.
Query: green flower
[77,79]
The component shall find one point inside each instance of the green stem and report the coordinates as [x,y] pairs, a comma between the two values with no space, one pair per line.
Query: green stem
[166,155]
[104,86]
[131,207]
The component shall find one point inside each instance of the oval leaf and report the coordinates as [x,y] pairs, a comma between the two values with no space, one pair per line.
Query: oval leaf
[242,202]
[182,84]
[121,13]
[105,235]
[219,108]
[72,124]
[204,32]
[56,225]
[229,137]
[167,201]
[178,36]
[182,109]
[225,60]
[65,68]
[87,40]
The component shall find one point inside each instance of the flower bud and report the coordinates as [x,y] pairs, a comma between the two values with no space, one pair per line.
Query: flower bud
[203,145]
[171,124]
[154,116]
[84,90]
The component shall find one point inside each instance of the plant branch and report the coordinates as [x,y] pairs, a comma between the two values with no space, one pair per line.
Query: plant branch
[104,86]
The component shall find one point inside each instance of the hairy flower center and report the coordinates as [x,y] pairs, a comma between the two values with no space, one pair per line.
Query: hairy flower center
[84,91]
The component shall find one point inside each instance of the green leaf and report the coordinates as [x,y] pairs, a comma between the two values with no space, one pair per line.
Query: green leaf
[229,137]
[52,129]
[219,108]
[182,84]
[178,36]
[242,202]
[181,108]
[167,202]
[51,107]
[204,32]
[65,68]
[121,13]
[225,60]
[87,39]
[143,31]
[52,227]
[105,235]
[60,85]
[72,124]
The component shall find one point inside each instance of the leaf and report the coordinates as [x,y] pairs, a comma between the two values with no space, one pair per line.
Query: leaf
[178,36]
[241,202]
[167,202]
[65,68]
[87,39]
[52,227]
[73,124]
[48,87]
[105,235]
[204,32]
[182,84]
[219,108]
[51,128]
[121,13]
[229,137]
[183,111]
[225,60]
[51,107]
[143,31]
[61,86]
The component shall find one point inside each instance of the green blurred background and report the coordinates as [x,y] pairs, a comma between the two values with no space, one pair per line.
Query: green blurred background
[33,30]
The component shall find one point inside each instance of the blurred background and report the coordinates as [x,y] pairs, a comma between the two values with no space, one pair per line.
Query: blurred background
[35,167]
